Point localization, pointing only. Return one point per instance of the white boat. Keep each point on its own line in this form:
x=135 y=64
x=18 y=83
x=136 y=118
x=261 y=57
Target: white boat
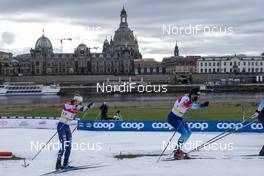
x=28 y=88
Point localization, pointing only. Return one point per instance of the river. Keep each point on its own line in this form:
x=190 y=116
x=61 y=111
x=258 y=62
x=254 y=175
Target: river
x=131 y=99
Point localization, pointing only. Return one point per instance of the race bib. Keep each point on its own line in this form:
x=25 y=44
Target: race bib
x=67 y=115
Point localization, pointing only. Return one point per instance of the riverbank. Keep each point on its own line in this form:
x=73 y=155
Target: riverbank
x=94 y=90
x=213 y=112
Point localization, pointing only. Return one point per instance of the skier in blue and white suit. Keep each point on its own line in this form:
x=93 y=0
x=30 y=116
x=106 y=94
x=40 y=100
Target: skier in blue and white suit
x=181 y=106
x=69 y=111
x=259 y=114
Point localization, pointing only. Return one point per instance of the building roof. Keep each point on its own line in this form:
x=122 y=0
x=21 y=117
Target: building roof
x=43 y=43
x=146 y=61
x=227 y=58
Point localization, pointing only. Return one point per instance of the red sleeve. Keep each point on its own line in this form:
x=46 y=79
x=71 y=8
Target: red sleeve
x=187 y=104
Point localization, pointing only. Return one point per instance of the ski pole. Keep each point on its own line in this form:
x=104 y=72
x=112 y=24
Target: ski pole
x=169 y=142
x=230 y=133
x=217 y=136
x=77 y=121
x=220 y=137
x=25 y=164
x=98 y=115
x=166 y=146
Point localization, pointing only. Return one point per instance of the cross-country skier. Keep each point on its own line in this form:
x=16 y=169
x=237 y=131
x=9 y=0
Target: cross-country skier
x=180 y=107
x=259 y=114
x=69 y=111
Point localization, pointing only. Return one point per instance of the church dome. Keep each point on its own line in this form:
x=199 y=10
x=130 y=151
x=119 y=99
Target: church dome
x=82 y=47
x=125 y=36
x=43 y=43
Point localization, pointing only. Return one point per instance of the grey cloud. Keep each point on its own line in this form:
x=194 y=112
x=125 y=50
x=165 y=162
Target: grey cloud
x=8 y=37
x=146 y=18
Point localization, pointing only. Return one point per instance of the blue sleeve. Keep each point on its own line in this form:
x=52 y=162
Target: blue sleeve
x=261 y=106
x=195 y=106
x=82 y=108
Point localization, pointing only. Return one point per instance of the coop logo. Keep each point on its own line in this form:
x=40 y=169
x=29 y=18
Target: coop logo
x=198 y=125
x=81 y=124
x=160 y=125
x=229 y=125
x=132 y=125
x=104 y=125
x=256 y=126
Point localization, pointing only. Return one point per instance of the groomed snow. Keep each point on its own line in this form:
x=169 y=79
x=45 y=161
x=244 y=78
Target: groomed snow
x=226 y=163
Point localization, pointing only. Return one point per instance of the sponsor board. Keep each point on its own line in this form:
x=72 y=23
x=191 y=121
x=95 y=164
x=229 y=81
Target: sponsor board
x=32 y=122
x=196 y=126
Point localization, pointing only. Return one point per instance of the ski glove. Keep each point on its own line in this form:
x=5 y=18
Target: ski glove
x=90 y=105
x=205 y=104
x=255 y=115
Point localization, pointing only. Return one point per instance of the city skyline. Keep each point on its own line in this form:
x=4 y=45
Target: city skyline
x=91 y=22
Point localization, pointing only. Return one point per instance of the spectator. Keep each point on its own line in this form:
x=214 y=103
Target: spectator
x=104 y=110
x=117 y=116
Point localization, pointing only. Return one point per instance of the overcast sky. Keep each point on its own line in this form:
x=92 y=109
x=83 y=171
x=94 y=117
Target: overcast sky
x=220 y=27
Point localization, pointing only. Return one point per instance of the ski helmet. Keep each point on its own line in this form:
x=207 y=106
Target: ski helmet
x=194 y=94
x=78 y=98
x=195 y=91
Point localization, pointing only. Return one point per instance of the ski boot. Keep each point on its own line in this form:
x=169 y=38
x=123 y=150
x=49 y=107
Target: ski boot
x=261 y=153
x=58 y=163
x=66 y=164
x=179 y=154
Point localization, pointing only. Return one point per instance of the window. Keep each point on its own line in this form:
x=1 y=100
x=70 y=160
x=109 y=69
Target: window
x=213 y=64
x=209 y=64
x=231 y=63
x=205 y=64
x=201 y=64
x=201 y=71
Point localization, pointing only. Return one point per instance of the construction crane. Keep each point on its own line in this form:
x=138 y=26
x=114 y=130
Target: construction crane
x=61 y=42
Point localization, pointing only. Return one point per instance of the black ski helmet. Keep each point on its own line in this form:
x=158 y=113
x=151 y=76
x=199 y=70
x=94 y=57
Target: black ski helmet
x=195 y=91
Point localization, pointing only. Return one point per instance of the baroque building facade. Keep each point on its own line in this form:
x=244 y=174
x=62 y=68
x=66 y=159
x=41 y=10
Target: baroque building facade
x=117 y=56
x=180 y=64
x=231 y=64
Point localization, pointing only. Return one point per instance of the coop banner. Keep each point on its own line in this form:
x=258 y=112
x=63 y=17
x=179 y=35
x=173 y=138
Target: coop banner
x=196 y=126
